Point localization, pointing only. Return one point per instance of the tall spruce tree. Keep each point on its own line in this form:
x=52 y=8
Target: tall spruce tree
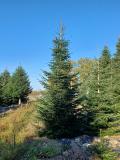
x=57 y=107
x=100 y=80
x=103 y=109
x=105 y=77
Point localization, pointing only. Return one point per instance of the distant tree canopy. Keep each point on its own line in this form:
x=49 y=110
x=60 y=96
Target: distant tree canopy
x=84 y=68
x=14 y=89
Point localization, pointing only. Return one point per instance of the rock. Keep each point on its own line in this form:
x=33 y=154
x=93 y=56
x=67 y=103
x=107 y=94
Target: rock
x=96 y=140
x=65 y=141
x=77 y=140
x=86 y=145
x=67 y=153
x=113 y=142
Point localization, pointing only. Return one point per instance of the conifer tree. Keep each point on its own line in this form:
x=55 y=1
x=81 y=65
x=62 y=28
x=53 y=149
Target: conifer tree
x=116 y=74
x=105 y=77
x=114 y=126
x=94 y=84
x=57 y=107
x=18 y=87
x=103 y=109
x=4 y=79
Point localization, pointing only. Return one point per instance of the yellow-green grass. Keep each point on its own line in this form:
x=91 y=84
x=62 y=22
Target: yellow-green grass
x=18 y=125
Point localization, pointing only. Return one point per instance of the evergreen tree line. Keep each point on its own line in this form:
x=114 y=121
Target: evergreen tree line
x=100 y=90
x=82 y=98
x=14 y=88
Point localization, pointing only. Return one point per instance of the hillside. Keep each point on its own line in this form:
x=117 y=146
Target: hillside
x=19 y=140
x=35 y=95
x=16 y=127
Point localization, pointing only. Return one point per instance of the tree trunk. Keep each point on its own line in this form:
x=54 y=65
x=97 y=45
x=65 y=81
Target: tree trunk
x=19 y=102
x=98 y=77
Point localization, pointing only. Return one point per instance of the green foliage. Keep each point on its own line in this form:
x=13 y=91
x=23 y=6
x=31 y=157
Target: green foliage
x=99 y=91
x=106 y=110
x=15 y=87
x=18 y=87
x=93 y=95
x=4 y=79
x=21 y=84
x=51 y=150
x=116 y=74
x=114 y=122
x=7 y=152
x=37 y=149
x=31 y=151
x=104 y=152
x=105 y=78
x=59 y=99
x=100 y=83
x=84 y=68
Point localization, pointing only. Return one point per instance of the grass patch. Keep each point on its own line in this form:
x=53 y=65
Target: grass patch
x=18 y=124
x=101 y=151
x=16 y=127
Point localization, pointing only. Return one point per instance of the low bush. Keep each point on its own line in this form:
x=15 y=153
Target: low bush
x=102 y=152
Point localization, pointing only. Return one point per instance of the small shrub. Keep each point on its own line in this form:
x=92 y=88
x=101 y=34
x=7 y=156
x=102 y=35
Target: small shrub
x=50 y=150
x=103 y=152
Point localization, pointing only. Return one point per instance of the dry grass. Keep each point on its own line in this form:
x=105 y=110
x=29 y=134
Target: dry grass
x=18 y=125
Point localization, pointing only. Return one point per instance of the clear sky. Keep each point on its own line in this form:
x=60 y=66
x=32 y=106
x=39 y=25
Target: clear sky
x=27 y=28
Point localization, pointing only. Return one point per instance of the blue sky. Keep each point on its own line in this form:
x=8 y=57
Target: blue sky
x=27 y=28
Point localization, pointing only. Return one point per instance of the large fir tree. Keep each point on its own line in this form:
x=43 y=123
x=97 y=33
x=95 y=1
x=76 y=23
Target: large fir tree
x=57 y=107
